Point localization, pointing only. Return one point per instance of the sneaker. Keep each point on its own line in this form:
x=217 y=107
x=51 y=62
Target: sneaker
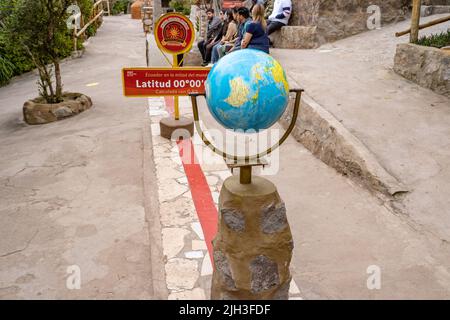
x=204 y=63
x=210 y=64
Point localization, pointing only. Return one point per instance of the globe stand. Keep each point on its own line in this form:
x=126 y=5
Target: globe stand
x=245 y=169
x=253 y=246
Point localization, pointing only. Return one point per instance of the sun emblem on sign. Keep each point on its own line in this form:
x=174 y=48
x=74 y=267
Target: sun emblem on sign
x=174 y=33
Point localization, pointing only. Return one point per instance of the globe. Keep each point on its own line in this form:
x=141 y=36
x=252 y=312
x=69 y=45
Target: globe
x=247 y=90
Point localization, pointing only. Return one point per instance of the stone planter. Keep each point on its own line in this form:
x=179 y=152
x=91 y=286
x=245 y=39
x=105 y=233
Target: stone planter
x=426 y=66
x=37 y=111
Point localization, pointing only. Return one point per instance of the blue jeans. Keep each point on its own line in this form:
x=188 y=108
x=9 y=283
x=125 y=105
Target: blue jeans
x=215 y=53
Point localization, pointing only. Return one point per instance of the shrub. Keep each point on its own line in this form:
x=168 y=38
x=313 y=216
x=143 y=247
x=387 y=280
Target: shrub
x=6 y=70
x=39 y=27
x=436 y=40
x=13 y=52
x=181 y=6
x=120 y=6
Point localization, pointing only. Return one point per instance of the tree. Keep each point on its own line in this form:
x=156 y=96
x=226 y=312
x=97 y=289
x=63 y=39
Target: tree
x=40 y=27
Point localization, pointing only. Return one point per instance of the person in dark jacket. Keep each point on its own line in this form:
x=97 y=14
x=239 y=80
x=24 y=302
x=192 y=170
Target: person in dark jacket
x=213 y=29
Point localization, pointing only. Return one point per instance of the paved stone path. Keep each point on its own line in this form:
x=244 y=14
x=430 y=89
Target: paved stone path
x=72 y=192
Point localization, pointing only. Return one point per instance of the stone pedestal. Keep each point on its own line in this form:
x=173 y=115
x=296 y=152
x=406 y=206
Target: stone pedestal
x=253 y=246
x=176 y=129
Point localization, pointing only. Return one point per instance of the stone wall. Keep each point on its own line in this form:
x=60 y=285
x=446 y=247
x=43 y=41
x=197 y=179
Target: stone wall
x=436 y=2
x=426 y=66
x=337 y=19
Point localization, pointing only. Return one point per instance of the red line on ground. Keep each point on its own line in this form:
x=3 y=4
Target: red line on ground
x=170 y=103
x=201 y=193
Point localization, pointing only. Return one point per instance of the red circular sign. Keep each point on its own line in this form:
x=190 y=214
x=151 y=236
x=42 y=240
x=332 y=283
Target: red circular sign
x=174 y=33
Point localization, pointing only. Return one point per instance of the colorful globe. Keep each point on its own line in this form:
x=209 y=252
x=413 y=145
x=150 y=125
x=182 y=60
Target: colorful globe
x=247 y=90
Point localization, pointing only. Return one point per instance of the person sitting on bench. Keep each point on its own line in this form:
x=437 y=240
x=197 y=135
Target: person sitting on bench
x=214 y=27
x=280 y=15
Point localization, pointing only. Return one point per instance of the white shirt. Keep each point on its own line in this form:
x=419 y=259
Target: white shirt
x=281 y=7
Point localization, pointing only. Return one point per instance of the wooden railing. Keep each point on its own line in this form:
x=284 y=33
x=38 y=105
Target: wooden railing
x=97 y=13
x=415 y=23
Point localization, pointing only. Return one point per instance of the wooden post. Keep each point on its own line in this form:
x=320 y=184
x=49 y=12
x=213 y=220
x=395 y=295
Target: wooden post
x=425 y=25
x=176 y=64
x=107 y=5
x=415 y=21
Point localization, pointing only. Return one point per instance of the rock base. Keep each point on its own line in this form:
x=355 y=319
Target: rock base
x=295 y=37
x=344 y=18
x=193 y=58
x=426 y=66
x=176 y=129
x=253 y=246
x=426 y=11
x=38 y=112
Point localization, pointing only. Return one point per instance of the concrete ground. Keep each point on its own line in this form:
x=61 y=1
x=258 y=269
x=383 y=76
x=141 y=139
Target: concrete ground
x=404 y=125
x=78 y=192
x=340 y=228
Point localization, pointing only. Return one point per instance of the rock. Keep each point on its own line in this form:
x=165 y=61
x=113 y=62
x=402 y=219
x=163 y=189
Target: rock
x=339 y=19
x=426 y=66
x=223 y=270
x=63 y=112
x=273 y=218
x=283 y=292
x=233 y=219
x=36 y=111
x=295 y=37
x=251 y=264
x=264 y=274
x=193 y=57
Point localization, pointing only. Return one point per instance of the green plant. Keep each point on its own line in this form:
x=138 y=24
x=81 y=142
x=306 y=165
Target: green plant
x=120 y=6
x=40 y=29
x=181 y=6
x=14 y=58
x=6 y=70
x=14 y=52
x=436 y=40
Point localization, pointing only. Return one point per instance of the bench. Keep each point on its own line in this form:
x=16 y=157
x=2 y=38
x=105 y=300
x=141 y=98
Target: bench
x=295 y=37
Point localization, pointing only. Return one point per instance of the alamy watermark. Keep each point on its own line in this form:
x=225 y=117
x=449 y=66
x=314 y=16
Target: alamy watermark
x=374 y=20
x=374 y=279
x=235 y=143
x=74 y=20
x=73 y=281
